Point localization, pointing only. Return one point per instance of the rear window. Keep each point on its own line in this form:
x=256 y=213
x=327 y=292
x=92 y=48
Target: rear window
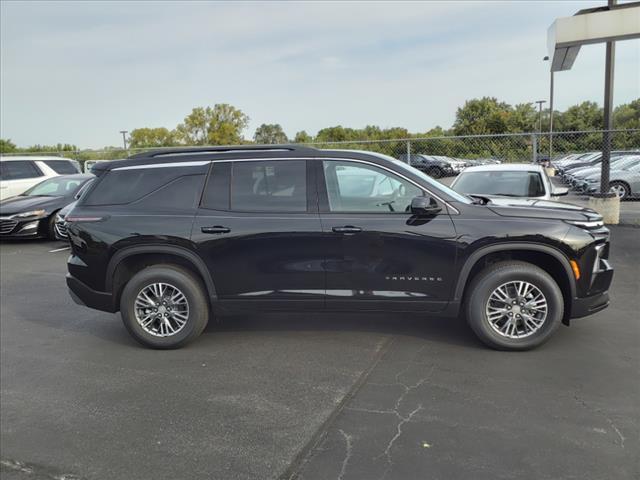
x=119 y=187
x=63 y=167
x=18 y=169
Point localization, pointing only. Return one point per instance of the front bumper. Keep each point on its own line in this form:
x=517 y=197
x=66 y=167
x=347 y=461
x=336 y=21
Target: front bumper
x=582 y=307
x=83 y=295
x=598 y=298
x=23 y=228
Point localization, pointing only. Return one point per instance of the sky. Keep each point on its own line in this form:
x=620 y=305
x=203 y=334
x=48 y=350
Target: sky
x=79 y=72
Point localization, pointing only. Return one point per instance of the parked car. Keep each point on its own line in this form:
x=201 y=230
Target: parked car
x=576 y=177
x=432 y=166
x=60 y=221
x=169 y=237
x=511 y=180
x=590 y=161
x=19 y=173
x=457 y=165
x=32 y=214
x=624 y=182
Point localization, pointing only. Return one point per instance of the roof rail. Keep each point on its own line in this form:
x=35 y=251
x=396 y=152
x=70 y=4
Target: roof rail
x=222 y=149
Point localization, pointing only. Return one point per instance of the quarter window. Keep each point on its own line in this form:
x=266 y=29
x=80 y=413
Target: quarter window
x=355 y=187
x=63 y=167
x=269 y=186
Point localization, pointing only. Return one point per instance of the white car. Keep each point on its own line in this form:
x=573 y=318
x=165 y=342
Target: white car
x=19 y=173
x=522 y=180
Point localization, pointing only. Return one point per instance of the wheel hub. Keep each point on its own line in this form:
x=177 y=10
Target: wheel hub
x=161 y=309
x=516 y=309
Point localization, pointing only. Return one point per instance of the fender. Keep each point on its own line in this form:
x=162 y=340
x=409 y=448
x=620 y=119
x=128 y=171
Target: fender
x=537 y=247
x=185 y=253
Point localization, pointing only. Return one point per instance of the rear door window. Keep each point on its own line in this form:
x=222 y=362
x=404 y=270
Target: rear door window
x=20 y=169
x=269 y=186
x=216 y=193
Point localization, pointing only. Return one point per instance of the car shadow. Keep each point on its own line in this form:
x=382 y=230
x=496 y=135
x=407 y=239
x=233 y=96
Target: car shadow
x=452 y=331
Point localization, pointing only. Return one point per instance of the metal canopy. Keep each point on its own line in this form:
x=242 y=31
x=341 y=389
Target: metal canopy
x=596 y=25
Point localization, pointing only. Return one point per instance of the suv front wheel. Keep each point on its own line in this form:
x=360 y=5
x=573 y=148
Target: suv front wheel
x=514 y=306
x=164 y=307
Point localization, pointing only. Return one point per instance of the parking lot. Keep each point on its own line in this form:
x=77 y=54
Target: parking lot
x=311 y=397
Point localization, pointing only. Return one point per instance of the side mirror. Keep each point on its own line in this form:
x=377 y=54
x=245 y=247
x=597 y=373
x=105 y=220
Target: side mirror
x=422 y=206
x=559 y=191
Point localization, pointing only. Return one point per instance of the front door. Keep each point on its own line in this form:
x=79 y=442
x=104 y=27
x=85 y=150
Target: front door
x=259 y=231
x=378 y=255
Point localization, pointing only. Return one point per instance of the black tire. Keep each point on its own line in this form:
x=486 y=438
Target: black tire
x=188 y=284
x=435 y=172
x=623 y=188
x=51 y=227
x=484 y=284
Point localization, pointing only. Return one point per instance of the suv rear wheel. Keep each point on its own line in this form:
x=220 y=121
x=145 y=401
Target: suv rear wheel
x=514 y=306
x=164 y=307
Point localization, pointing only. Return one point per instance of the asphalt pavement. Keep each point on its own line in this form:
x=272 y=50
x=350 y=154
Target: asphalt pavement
x=310 y=396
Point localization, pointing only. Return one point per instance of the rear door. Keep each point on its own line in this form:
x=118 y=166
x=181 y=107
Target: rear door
x=378 y=255
x=258 y=229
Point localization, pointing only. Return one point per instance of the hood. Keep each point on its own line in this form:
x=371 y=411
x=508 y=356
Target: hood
x=533 y=208
x=20 y=204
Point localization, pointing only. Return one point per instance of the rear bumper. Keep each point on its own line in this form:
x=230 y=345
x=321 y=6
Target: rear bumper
x=83 y=295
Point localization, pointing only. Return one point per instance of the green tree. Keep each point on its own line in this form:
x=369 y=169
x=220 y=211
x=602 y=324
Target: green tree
x=221 y=125
x=7 y=146
x=627 y=115
x=302 y=137
x=484 y=115
x=270 y=133
x=522 y=118
x=152 y=137
x=584 y=116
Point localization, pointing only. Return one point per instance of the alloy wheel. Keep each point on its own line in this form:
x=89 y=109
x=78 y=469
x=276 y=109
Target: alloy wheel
x=516 y=309
x=619 y=190
x=161 y=309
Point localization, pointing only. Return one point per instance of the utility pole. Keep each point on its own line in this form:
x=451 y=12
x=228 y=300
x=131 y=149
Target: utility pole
x=537 y=146
x=124 y=137
x=550 y=109
x=609 y=65
x=540 y=103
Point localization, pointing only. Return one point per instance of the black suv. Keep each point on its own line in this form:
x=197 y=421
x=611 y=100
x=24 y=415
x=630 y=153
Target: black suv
x=169 y=237
x=432 y=166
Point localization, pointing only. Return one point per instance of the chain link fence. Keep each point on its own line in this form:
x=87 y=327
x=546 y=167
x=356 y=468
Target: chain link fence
x=509 y=148
x=520 y=147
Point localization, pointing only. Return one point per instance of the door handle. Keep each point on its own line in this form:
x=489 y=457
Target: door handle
x=215 y=229
x=347 y=229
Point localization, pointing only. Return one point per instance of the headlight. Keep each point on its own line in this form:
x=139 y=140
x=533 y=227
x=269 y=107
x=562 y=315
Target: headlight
x=585 y=224
x=33 y=213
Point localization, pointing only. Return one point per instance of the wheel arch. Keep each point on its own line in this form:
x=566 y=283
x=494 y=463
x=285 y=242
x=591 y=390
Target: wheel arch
x=128 y=261
x=550 y=259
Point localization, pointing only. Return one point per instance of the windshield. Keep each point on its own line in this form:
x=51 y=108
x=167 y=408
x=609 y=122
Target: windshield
x=55 y=187
x=509 y=183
